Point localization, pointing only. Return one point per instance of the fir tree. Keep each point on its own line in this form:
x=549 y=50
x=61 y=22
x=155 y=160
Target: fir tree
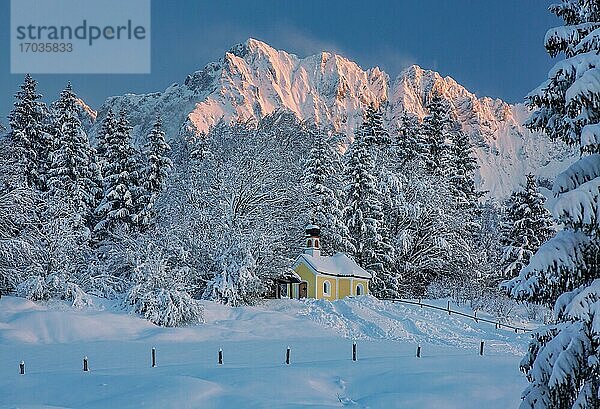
x=120 y=205
x=435 y=133
x=321 y=177
x=374 y=140
x=562 y=365
x=372 y=129
x=410 y=145
x=29 y=141
x=73 y=173
x=109 y=126
x=364 y=217
x=528 y=225
x=462 y=166
x=156 y=171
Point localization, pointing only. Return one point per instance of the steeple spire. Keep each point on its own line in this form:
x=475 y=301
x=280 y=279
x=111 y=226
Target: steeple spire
x=313 y=240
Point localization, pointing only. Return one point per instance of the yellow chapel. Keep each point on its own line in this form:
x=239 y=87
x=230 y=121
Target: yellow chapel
x=326 y=277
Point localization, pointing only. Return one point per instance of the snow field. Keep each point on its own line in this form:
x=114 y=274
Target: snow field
x=53 y=340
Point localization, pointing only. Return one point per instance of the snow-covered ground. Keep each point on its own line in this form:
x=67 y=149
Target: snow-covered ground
x=52 y=339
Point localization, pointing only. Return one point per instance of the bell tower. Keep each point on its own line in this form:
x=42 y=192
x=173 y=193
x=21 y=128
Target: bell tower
x=313 y=240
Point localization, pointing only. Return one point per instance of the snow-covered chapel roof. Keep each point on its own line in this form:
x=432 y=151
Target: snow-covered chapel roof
x=337 y=265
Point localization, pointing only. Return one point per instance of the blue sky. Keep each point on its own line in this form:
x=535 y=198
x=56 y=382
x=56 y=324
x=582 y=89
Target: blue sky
x=493 y=47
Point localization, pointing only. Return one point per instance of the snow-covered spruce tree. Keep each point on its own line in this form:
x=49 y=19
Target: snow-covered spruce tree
x=462 y=165
x=389 y=185
x=372 y=138
x=120 y=204
x=73 y=172
x=528 y=224
x=460 y=175
x=156 y=171
x=108 y=128
x=20 y=247
x=321 y=180
x=409 y=142
x=364 y=217
x=563 y=363
x=372 y=129
x=29 y=140
x=435 y=132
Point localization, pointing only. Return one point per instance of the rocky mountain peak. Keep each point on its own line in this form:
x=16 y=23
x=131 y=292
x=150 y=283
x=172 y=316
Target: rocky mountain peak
x=253 y=80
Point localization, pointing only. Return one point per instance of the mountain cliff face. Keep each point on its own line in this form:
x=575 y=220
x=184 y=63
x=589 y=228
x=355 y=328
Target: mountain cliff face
x=253 y=80
x=505 y=149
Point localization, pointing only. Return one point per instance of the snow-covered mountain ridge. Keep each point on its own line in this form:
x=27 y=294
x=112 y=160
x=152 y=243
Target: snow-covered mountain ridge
x=253 y=80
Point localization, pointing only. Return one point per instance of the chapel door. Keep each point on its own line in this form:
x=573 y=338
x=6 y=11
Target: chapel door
x=303 y=290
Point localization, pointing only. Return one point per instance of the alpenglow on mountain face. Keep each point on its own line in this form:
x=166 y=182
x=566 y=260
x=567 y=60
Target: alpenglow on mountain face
x=253 y=80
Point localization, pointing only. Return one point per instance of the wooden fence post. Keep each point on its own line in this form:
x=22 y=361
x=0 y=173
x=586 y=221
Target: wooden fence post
x=22 y=368
x=85 y=364
x=419 y=351
x=476 y=320
x=448 y=307
x=481 y=348
x=354 y=351
x=287 y=356
x=220 y=356
x=153 y=357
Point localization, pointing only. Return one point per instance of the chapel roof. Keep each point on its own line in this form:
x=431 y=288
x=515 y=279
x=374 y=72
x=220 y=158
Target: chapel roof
x=337 y=265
